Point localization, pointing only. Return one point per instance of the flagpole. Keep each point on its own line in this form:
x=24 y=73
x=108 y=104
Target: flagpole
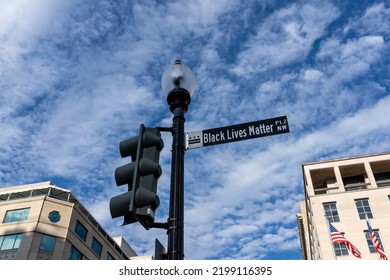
x=368 y=223
x=379 y=255
x=337 y=237
x=330 y=238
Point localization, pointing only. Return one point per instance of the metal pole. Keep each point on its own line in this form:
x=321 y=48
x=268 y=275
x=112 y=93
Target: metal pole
x=176 y=205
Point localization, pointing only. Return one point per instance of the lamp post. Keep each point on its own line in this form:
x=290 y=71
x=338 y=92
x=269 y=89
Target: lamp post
x=178 y=84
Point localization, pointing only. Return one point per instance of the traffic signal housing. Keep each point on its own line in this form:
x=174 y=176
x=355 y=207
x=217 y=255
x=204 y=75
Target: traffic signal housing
x=139 y=204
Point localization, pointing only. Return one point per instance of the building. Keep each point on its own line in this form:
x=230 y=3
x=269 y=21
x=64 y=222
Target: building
x=42 y=222
x=345 y=192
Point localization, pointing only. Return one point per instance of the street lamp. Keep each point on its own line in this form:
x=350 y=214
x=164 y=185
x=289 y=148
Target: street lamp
x=178 y=84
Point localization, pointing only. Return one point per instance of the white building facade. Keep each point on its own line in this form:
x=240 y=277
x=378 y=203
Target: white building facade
x=346 y=193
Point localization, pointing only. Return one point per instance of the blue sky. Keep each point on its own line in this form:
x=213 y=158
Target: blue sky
x=79 y=76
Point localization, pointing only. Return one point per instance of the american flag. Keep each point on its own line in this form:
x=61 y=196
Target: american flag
x=375 y=240
x=338 y=237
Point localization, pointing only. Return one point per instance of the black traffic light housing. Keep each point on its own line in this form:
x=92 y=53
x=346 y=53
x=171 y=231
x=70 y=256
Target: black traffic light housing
x=139 y=204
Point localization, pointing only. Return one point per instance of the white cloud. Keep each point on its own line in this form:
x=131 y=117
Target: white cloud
x=359 y=53
x=285 y=37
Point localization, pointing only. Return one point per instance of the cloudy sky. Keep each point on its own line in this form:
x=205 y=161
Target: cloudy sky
x=79 y=76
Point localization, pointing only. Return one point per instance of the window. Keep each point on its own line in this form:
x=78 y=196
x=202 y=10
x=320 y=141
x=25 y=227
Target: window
x=48 y=243
x=363 y=208
x=16 y=215
x=354 y=183
x=109 y=256
x=382 y=179
x=54 y=216
x=96 y=247
x=340 y=249
x=370 y=244
x=9 y=242
x=81 y=231
x=75 y=254
x=331 y=212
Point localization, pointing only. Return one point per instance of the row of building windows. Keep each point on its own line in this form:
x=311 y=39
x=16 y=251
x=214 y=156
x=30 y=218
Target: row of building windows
x=12 y=242
x=96 y=247
x=362 y=206
x=341 y=250
x=351 y=183
x=77 y=255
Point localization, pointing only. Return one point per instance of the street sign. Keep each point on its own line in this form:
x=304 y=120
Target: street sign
x=237 y=132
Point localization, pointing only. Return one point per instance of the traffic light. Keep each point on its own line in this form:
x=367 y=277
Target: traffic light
x=139 y=204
